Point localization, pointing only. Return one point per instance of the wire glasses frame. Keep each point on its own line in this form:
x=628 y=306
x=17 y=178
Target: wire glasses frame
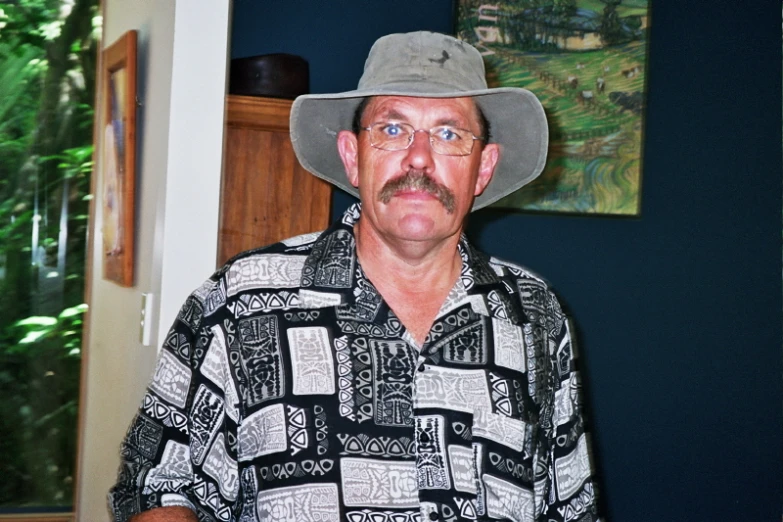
x=444 y=139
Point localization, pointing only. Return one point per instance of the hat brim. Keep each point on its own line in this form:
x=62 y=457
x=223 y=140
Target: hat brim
x=517 y=120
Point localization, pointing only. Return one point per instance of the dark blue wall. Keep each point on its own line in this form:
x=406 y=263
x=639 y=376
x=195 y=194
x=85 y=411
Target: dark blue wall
x=678 y=311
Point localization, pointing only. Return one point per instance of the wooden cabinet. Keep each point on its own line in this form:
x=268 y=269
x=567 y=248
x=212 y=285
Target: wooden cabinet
x=266 y=194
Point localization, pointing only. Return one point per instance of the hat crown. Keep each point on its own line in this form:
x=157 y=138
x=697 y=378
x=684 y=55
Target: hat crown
x=422 y=61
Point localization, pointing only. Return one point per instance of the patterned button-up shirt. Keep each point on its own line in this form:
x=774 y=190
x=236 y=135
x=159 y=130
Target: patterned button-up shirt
x=288 y=390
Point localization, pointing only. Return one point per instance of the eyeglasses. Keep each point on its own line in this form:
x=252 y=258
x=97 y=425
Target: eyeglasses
x=445 y=140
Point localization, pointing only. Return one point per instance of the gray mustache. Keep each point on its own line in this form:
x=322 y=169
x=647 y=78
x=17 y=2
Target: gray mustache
x=418 y=180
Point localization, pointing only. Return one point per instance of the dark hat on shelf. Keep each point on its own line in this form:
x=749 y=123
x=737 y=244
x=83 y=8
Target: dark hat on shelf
x=272 y=75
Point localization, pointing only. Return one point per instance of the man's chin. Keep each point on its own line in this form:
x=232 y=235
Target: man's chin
x=417 y=226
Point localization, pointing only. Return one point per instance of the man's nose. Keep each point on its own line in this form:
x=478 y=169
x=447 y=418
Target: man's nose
x=419 y=155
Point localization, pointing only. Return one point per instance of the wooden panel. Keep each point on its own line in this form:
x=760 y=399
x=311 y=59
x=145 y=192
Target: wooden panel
x=266 y=195
x=252 y=111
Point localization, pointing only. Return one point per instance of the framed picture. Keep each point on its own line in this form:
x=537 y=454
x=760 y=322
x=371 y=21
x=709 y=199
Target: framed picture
x=585 y=60
x=119 y=159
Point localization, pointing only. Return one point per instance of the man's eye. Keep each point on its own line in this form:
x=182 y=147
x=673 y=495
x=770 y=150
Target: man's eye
x=392 y=130
x=447 y=134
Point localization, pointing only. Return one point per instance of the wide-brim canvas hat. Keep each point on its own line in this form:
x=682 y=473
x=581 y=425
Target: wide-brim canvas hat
x=427 y=65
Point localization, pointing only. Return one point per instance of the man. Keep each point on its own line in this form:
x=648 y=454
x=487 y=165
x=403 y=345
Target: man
x=383 y=370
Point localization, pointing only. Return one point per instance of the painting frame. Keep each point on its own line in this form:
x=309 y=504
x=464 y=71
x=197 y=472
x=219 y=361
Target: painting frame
x=118 y=155
x=590 y=76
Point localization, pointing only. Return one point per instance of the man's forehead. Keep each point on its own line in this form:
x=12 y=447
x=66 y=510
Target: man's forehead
x=410 y=106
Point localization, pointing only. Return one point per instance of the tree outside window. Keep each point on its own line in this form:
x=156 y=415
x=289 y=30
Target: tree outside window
x=48 y=54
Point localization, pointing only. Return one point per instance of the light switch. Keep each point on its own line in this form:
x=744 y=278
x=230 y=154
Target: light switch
x=146 y=318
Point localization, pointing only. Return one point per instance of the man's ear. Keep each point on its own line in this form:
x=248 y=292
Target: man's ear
x=348 y=148
x=489 y=160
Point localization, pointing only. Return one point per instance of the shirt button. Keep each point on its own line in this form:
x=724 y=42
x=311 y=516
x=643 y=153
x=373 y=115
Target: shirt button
x=434 y=516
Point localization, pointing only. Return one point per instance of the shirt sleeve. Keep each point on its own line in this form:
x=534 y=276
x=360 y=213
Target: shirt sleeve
x=571 y=492
x=176 y=451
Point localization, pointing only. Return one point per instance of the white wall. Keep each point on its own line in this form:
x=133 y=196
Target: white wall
x=182 y=54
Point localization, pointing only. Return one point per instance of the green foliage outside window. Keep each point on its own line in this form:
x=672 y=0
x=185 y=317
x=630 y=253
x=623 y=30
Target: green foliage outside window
x=48 y=54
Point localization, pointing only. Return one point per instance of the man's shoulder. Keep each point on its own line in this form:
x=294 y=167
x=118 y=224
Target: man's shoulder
x=271 y=269
x=532 y=290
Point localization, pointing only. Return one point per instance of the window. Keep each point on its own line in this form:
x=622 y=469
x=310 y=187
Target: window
x=48 y=55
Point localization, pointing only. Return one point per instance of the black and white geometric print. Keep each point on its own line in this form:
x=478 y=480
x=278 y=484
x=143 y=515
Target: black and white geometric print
x=287 y=390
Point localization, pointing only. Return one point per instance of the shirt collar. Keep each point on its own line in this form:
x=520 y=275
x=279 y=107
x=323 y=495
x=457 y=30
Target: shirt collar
x=332 y=276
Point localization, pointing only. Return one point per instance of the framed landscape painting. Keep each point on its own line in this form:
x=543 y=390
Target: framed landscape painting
x=585 y=60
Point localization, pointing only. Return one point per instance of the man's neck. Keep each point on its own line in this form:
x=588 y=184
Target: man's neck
x=414 y=278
